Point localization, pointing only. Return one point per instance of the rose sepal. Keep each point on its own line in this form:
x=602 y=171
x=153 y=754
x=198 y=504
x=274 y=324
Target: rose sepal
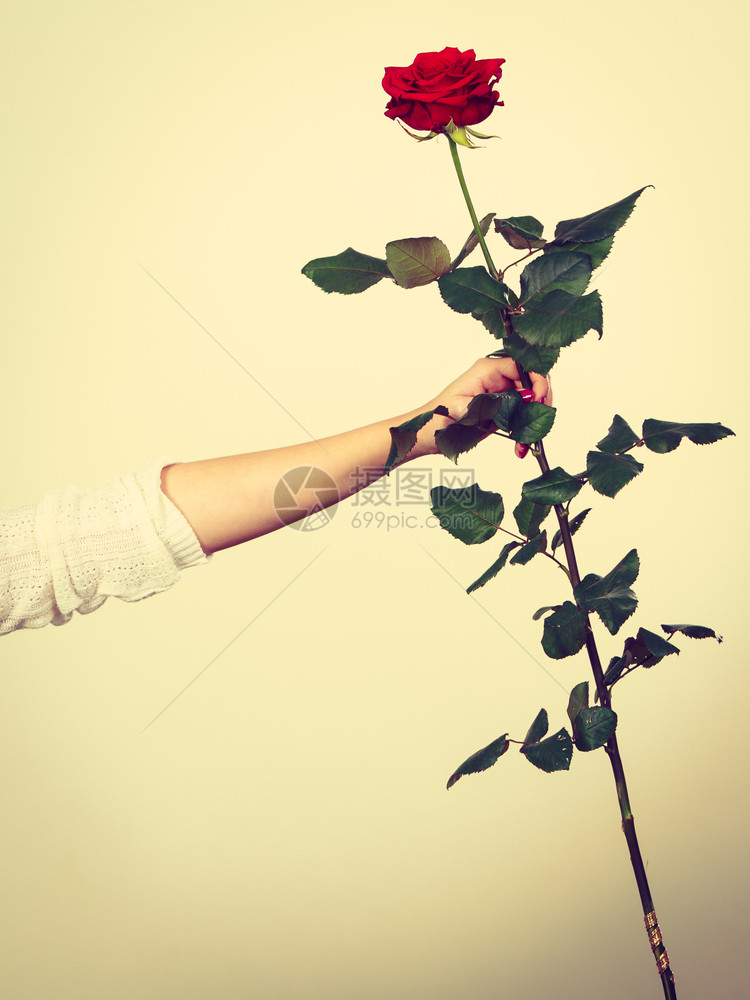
x=419 y=138
x=462 y=135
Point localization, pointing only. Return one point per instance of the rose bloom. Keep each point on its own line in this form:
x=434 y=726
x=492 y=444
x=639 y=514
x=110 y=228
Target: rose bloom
x=442 y=86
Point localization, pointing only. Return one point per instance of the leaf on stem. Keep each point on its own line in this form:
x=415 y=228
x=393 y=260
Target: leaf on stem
x=532 y=422
x=472 y=242
x=598 y=225
x=471 y=428
x=472 y=290
x=553 y=487
x=417 y=261
x=579 y=699
x=494 y=320
x=552 y=754
x=541 y=612
x=456 y=439
x=348 y=272
x=564 y=631
x=574 y=525
x=529 y=516
x=404 y=437
x=527 y=552
x=620 y=437
x=532 y=357
x=522 y=232
x=510 y=404
x=642 y=650
x=596 y=252
x=609 y=473
x=567 y=271
x=470 y=514
x=593 y=727
x=483 y=407
x=559 y=318
x=481 y=760
x=663 y=435
x=610 y=596
x=538 y=728
x=692 y=631
x=494 y=569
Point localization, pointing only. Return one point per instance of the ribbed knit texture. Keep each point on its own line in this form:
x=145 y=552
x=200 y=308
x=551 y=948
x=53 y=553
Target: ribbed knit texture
x=75 y=549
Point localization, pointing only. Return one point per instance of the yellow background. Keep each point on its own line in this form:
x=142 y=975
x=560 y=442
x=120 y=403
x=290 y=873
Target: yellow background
x=283 y=830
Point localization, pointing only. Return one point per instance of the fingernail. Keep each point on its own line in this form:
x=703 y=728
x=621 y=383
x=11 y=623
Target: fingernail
x=527 y=395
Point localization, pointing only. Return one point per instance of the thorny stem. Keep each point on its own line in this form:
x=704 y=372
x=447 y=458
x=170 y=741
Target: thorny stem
x=611 y=747
x=613 y=752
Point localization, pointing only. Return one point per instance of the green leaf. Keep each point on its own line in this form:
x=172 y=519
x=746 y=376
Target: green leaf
x=574 y=525
x=527 y=552
x=465 y=433
x=693 y=631
x=553 y=487
x=593 y=727
x=610 y=596
x=404 y=437
x=472 y=515
x=608 y=473
x=482 y=409
x=472 y=290
x=418 y=261
x=663 y=435
x=598 y=225
x=620 y=437
x=481 y=760
x=532 y=422
x=494 y=569
x=348 y=272
x=568 y=271
x=456 y=439
x=492 y=320
x=579 y=699
x=532 y=357
x=538 y=728
x=564 y=632
x=559 y=318
x=472 y=242
x=656 y=646
x=552 y=754
x=643 y=650
x=530 y=516
x=510 y=404
x=522 y=232
x=541 y=612
x=596 y=252
x=614 y=669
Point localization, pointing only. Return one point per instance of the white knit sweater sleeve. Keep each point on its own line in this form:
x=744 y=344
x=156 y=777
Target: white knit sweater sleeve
x=75 y=549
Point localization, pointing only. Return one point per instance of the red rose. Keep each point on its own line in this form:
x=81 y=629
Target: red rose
x=440 y=86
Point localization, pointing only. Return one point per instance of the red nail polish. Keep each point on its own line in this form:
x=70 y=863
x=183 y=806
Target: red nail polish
x=527 y=395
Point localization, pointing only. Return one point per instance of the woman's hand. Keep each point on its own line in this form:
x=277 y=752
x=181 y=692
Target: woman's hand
x=485 y=375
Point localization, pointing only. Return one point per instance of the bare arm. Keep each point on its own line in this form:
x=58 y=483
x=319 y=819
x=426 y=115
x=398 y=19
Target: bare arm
x=231 y=500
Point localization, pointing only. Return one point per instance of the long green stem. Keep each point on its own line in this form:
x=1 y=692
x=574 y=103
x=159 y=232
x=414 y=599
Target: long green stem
x=467 y=198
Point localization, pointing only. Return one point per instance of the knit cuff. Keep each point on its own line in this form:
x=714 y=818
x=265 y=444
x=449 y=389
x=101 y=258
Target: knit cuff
x=171 y=524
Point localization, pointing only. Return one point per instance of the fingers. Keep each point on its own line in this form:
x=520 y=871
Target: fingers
x=502 y=373
x=541 y=387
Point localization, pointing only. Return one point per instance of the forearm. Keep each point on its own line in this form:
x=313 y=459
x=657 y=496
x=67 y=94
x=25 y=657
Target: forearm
x=231 y=500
